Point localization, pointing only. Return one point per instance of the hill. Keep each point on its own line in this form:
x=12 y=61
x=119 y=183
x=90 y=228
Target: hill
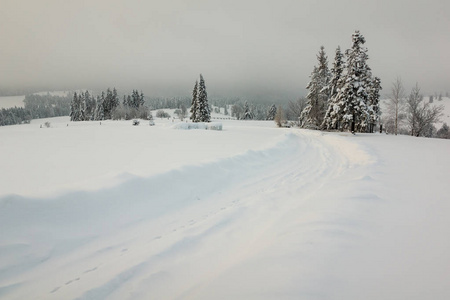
x=115 y=211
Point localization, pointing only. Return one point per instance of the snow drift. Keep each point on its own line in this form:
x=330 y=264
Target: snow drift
x=262 y=213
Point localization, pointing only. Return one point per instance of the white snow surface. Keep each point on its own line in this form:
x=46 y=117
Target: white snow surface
x=116 y=211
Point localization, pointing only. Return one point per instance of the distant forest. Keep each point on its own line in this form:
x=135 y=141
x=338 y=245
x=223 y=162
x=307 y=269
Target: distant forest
x=37 y=106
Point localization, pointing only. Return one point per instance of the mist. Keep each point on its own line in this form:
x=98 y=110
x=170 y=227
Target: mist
x=242 y=48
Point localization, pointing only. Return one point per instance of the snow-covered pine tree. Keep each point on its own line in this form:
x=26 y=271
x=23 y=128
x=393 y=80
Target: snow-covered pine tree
x=271 y=113
x=74 y=108
x=351 y=99
x=313 y=114
x=100 y=112
x=203 y=111
x=141 y=99
x=312 y=99
x=82 y=105
x=248 y=115
x=107 y=104
x=115 y=100
x=194 y=103
x=373 y=102
x=135 y=99
x=331 y=116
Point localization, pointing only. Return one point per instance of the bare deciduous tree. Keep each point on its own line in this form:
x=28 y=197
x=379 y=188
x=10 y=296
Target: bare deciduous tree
x=395 y=103
x=295 y=109
x=279 y=117
x=421 y=114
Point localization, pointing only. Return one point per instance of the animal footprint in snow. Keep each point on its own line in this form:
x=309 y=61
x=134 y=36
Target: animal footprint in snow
x=55 y=290
x=90 y=270
x=70 y=281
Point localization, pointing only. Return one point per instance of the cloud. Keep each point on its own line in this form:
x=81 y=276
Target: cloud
x=238 y=45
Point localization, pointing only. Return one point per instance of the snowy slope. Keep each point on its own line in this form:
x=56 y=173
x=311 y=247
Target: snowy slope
x=115 y=211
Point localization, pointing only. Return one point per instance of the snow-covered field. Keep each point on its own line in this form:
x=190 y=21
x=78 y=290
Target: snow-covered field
x=116 y=211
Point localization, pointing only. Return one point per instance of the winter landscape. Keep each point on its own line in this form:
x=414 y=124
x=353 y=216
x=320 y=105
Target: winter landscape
x=224 y=150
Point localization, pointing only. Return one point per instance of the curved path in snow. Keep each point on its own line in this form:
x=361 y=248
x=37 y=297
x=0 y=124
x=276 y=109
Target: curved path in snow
x=279 y=223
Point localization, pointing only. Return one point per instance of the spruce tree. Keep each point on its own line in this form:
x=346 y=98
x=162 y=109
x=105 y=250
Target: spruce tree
x=141 y=99
x=194 y=103
x=82 y=105
x=271 y=113
x=317 y=98
x=203 y=111
x=352 y=96
x=73 y=109
x=331 y=116
x=373 y=103
x=100 y=113
x=248 y=115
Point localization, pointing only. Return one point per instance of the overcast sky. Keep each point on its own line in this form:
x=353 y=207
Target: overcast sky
x=242 y=47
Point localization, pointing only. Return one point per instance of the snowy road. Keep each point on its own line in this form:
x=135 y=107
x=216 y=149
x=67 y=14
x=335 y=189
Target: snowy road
x=298 y=220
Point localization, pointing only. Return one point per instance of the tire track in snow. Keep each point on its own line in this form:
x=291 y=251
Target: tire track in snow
x=190 y=243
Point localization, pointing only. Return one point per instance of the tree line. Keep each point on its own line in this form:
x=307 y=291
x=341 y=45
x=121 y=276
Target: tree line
x=36 y=107
x=107 y=106
x=345 y=97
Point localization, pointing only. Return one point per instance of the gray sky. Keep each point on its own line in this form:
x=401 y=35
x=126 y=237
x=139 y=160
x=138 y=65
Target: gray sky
x=242 y=47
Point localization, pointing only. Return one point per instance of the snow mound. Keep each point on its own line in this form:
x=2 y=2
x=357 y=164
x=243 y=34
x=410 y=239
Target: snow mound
x=204 y=126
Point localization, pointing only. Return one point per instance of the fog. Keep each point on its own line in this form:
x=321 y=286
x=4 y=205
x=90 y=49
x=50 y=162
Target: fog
x=242 y=48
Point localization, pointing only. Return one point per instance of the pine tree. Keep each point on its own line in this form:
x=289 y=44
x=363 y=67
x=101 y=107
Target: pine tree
x=73 y=108
x=271 y=113
x=331 y=120
x=100 y=113
x=351 y=99
x=248 y=115
x=317 y=98
x=115 y=100
x=373 y=103
x=82 y=105
x=203 y=111
x=194 y=103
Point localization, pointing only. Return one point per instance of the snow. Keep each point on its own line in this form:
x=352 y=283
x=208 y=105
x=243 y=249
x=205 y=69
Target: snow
x=200 y=125
x=116 y=211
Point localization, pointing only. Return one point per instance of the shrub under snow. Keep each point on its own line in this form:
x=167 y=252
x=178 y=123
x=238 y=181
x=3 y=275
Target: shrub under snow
x=201 y=125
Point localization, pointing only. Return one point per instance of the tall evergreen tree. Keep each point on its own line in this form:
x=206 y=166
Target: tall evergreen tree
x=73 y=108
x=331 y=116
x=373 y=102
x=82 y=103
x=100 y=112
x=194 y=103
x=203 y=111
x=271 y=113
x=317 y=98
x=352 y=96
x=248 y=115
